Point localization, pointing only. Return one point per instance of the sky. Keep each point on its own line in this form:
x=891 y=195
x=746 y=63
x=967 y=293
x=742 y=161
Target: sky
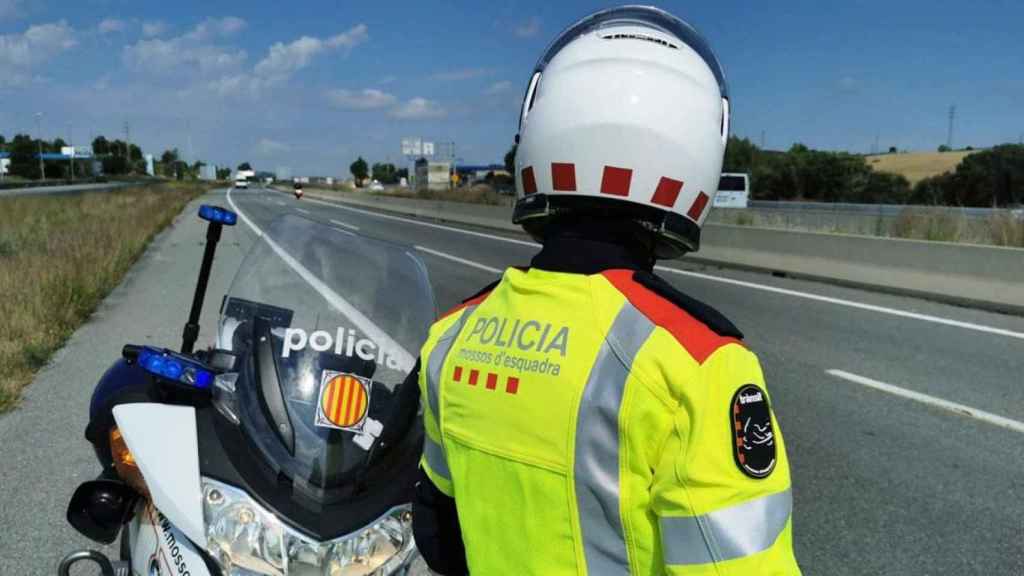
x=309 y=86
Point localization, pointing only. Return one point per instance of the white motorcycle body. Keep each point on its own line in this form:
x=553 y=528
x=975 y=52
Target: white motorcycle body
x=163 y=532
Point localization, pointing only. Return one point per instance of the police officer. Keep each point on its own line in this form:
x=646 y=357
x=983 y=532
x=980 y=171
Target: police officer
x=582 y=416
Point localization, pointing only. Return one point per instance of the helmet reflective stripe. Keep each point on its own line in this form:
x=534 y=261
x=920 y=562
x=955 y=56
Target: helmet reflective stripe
x=627 y=113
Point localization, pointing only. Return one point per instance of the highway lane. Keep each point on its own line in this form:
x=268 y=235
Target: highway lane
x=883 y=485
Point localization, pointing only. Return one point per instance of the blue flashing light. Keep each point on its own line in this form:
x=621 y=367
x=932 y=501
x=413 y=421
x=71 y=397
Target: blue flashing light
x=175 y=368
x=212 y=213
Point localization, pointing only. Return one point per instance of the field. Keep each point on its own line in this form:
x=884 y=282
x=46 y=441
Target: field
x=59 y=257
x=916 y=166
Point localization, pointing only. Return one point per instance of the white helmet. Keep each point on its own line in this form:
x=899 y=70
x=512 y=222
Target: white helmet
x=627 y=114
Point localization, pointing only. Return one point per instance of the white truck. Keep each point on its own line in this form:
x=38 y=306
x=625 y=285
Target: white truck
x=242 y=178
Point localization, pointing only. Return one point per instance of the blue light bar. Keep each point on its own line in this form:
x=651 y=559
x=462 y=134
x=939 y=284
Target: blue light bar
x=176 y=368
x=213 y=213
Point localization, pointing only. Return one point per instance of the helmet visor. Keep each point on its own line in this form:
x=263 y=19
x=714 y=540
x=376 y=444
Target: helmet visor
x=645 y=17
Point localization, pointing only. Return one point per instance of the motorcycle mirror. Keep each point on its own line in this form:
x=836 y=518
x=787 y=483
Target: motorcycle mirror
x=100 y=507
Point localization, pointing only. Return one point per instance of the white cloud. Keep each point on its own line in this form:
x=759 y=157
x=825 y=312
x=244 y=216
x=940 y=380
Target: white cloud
x=418 y=109
x=284 y=59
x=158 y=56
x=499 y=87
x=151 y=29
x=268 y=147
x=216 y=27
x=527 y=29
x=368 y=99
x=350 y=38
x=38 y=44
x=461 y=74
x=108 y=25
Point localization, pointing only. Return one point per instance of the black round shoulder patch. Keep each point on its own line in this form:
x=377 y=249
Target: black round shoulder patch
x=751 y=421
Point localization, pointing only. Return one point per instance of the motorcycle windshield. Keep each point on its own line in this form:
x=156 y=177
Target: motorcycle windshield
x=326 y=325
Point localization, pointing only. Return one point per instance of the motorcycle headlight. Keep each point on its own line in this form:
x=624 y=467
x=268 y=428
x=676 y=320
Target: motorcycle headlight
x=248 y=540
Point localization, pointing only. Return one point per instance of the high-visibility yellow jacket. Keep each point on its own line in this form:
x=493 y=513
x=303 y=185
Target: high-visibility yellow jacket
x=587 y=424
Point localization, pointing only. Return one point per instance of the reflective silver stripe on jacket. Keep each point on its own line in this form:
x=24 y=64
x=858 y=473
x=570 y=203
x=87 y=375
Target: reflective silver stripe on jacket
x=435 y=363
x=597 y=444
x=733 y=532
x=434 y=454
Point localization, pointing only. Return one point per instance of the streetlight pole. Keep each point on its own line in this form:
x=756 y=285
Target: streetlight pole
x=39 y=139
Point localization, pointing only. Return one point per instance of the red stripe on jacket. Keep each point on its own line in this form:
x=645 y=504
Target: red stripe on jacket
x=471 y=302
x=692 y=334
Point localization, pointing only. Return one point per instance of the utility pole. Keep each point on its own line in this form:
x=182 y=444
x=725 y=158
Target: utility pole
x=952 y=119
x=71 y=144
x=877 y=136
x=128 y=146
x=762 y=139
x=39 y=138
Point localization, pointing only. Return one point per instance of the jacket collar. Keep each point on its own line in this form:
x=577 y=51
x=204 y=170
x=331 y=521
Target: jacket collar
x=576 y=255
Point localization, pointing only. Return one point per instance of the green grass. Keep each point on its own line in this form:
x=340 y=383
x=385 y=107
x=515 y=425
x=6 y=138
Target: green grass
x=59 y=257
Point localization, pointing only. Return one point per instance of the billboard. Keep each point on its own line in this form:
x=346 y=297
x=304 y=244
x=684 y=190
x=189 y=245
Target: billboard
x=428 y=148
x=412 y=147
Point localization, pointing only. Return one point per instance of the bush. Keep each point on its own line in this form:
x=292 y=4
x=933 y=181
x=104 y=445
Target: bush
x=989 y=178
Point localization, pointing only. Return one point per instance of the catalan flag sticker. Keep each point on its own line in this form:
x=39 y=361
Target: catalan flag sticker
x=344 y=401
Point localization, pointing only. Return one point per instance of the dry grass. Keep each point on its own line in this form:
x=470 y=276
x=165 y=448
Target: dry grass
x=59 y=257
x=917 y=166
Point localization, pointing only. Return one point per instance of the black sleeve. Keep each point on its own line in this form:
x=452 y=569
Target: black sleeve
x=435 y=525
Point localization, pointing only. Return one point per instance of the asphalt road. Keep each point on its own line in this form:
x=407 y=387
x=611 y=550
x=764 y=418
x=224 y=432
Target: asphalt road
x=64 y=189
x=883 y=484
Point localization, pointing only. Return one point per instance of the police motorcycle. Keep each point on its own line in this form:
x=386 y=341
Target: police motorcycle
x=287 y=448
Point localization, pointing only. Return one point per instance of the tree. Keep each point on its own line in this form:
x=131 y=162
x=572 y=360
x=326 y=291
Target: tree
x=944 y=148
x=100 y=146
x=169 y=157
x=245 y=166
x=359 y=170
x=223 y=173
x=24 y=162
x=740 y=155
x=893 y=150
x=993 y=177
x=385 y=173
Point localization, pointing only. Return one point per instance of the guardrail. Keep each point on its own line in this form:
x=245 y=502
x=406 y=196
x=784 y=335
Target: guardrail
x=986 y=277
x=874 y=209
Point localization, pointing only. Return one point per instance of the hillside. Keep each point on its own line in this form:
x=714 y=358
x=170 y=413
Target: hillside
x=916 y=166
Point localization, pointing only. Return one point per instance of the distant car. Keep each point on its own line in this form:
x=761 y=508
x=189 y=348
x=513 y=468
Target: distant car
x=376 y=185
x=241 y=183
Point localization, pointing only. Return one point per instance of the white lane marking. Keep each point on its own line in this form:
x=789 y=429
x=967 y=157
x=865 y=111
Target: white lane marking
x=974 y=413
x=447 y=256
x=279 y=203
x=427 y=224
x=303 y=210
x=404 y=359
x=852 y=304
x=344 y=225
x=794 y=293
